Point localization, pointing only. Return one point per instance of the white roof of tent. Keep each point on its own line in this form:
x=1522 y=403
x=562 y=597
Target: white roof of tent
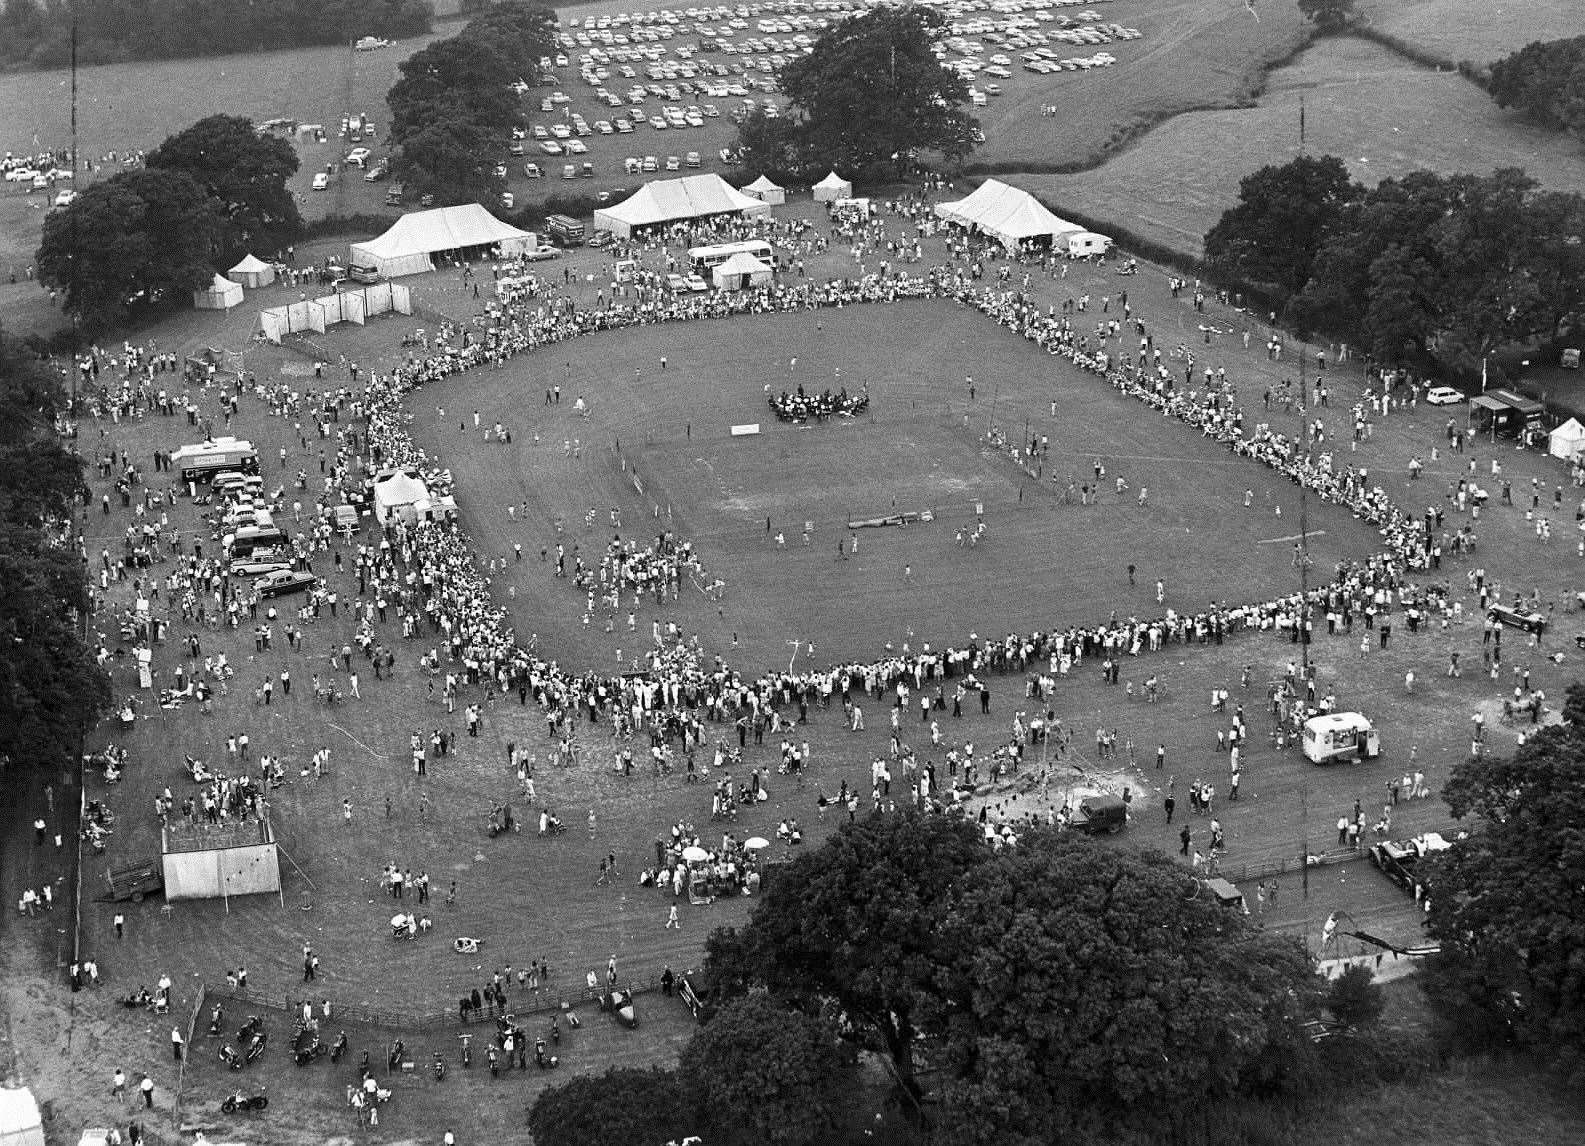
x=667 y=200
x=833 y=182
x=762 y=184
x=20 y=1122
x=443 y=229
x=1006 y=212
x=742 y=263
x=399 y=489
x=249 y=266
x=1567 y=439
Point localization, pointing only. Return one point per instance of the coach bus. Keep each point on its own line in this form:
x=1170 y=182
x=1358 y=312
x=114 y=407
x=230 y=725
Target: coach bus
x=703 y=258
x=199 y=463
x=566 y=230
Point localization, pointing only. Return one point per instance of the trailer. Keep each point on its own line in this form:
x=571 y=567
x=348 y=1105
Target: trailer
x=135 y=881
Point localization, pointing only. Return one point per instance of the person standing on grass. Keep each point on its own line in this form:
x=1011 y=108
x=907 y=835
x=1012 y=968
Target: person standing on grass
x=672 y=920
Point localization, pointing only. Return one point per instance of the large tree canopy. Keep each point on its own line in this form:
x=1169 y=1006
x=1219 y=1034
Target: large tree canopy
x=870 y=96
x=624 y=1105
x=1545 y=80
x=51 y=691
x=1270 y=238
x=761 y=1073
x=856 y=921
x=1508 y=900
x=244 y=173
x=130 y=246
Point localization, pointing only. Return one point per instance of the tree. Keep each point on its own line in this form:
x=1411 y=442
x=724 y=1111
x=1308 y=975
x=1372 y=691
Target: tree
x=1354 y=998
x=1506 y=899
x=1328 y=15
x=244 y=173
x=856 y=921
x=453 y=161
x=130 y=246
x=457 y=80
x=871 y=94
x=1084 y=981
x=51 y=690
x=1546 y=81
x=621 y=1106
x=762 y=1073
x=519 y=32
x=1284 y=214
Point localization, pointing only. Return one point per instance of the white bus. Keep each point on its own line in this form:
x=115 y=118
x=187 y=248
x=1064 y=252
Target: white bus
x=202 y=461
x=703 y=258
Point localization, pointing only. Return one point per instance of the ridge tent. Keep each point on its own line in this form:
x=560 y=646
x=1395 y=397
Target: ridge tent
x=396 y=492
x=20 y=1122
x=740 y=272
x=1567 y=441
x=221 y=294
x=833 y=186
x=406 y=248
x=252 y=273
x=668 y=200
x=766 y=191
x=1007 y=214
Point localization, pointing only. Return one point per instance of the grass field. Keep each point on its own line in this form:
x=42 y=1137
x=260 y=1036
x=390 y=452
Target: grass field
x=1468 y=30
x=529 y=897
x=1380 y=114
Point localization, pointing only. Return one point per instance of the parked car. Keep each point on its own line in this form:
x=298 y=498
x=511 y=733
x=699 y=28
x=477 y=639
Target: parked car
x=1522 y=619
x=676 y=282
x=696 y=283
x=321 y=182
x=1444 y=396
x=284 y=581
x=259 y=565
x=1100 y=813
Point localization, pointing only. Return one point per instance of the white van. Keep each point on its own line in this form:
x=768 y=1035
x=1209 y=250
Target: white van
x=1340 y=736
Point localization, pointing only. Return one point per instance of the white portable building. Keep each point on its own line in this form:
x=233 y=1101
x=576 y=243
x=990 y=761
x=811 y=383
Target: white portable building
x=1087 y=243
x=221 y=294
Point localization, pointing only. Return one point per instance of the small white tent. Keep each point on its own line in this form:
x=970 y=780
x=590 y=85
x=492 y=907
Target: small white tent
x=252 y=273
x=741 y=272
x=20 y=1122
x=222 y=294
x=1567 y=441
x=396 y=493
x=833 y=186
x=766 y=191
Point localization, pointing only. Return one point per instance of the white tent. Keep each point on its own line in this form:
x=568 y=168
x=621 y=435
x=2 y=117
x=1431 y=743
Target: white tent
x=766 y=191
x=1088 y=243
x=1006 y=213
x=252 y=272
x=396 y=493
x=740 y=272
x=1567 y=441
x=668 y=200
x=405 y=248
x=20 y=1123
x=221 y=294
x=833 y=186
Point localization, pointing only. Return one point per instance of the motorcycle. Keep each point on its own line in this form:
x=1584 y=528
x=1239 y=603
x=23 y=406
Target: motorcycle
x=256 y=1046
x=230 y=1057
x=238 y=1101
x=438 y=1067
x=250 y=1028
x=541 y=1059
x=467 y=1050
x=306 y=1050
x=339 y=1047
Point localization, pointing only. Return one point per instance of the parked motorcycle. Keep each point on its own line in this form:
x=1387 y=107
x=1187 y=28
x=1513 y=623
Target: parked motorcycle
x=467 y=1050
x=256 y=1046
x=238 y=1101
x=250 y=1028
x=339 y=1047
x=230 y=1057
x=437 y=1068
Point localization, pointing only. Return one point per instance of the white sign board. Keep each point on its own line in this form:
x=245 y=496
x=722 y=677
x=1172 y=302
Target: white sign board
x=748 y=429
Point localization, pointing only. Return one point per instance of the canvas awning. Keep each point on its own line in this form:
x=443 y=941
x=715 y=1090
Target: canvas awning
x=406 y=248
x=671 y=200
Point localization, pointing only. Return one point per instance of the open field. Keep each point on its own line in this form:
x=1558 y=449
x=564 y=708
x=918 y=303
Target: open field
x=1383 y=116
x=1469 y=30
x=1041 y=561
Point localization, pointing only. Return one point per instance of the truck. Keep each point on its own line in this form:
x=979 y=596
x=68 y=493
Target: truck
x=135 y=881
x=203 y=460
x=1335 y=736
x=1100 y=813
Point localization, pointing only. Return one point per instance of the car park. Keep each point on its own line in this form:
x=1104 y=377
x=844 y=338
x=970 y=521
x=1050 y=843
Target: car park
x=673 y=163
x=577 y=147
x=550 y=147
x=1444 y=396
